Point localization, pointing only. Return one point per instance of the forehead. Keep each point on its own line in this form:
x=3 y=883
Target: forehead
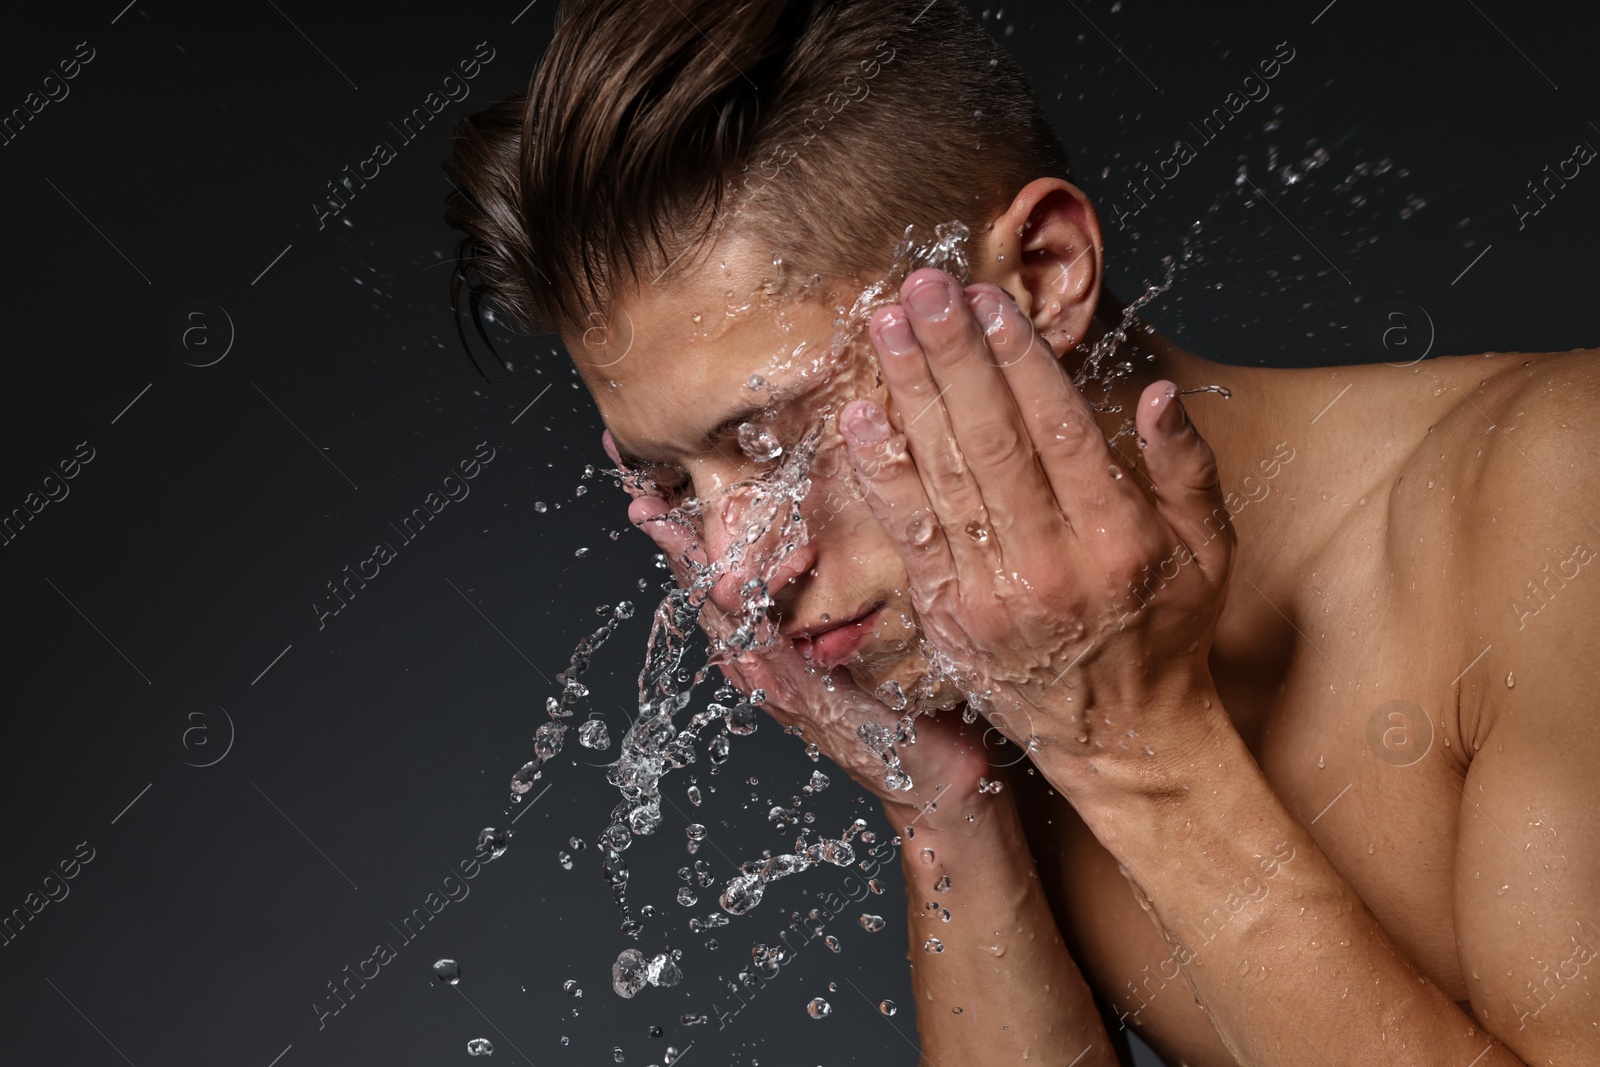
x=666 y=360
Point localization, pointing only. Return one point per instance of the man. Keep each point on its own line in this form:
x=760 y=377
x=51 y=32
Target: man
x=1299 y=676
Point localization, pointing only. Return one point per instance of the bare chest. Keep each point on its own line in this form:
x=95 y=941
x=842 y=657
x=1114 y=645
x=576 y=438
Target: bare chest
x=1341 y=679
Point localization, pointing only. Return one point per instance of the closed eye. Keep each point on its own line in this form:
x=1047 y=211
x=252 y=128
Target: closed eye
x=668 y=479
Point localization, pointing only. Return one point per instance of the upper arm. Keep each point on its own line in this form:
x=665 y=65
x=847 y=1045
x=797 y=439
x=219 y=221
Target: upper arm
x=1527 y=877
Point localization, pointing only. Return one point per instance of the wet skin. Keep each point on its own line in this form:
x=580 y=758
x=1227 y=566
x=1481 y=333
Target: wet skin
x=1224 y=824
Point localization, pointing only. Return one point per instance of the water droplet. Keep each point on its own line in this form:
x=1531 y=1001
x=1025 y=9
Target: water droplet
x=759 y=443
x=523 y=780
x=927 y=856
x=1511 y=679
x=571 y=988
x=819 y=1008
x=686 y=897
x=832 y=943
x=871 y=923
x=741 y=719
x=1322 y=761
x=540 y=506
x=480 y=1046
x=978 y=531
x=933 y=944
x=1115 y=471
x=493 y=841
x=565 y=859
x=627 y=973
x=887 y=1007
x=447 y=971
x=942 y=885
x=593 y=734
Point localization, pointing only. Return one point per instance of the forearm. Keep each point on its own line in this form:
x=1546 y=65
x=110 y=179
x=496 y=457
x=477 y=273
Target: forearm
x=994 y=984
x=1290 y=964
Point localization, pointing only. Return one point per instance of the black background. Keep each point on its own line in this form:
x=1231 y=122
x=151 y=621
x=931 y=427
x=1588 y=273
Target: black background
x=184 y=166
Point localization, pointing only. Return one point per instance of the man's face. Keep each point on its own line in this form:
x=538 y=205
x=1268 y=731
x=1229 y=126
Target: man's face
x=677 y=369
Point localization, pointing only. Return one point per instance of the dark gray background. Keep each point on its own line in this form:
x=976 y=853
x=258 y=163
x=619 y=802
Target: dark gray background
x=186 y=160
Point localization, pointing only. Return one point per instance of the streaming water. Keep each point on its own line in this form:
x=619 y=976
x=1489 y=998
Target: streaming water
x=666 y=736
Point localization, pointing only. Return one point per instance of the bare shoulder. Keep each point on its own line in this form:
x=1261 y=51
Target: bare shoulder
x=1527 y=692
x=1539 y=416
x=1527 y=444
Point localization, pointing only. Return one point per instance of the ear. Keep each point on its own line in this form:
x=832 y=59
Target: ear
x=1045 y=251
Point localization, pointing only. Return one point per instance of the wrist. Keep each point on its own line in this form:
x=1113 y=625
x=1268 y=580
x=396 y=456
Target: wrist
x=948 y=811
x=1174 y=750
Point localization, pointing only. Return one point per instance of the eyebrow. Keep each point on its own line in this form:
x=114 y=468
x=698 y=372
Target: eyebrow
x=715 y=435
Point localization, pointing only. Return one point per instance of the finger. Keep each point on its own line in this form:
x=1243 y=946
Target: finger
x=895 y=493
x=676 y=540
x=1074 y=455
x=947 y=482
x=1184 y=470
x=984 y=417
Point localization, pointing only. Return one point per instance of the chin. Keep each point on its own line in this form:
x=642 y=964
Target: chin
x=910 y=672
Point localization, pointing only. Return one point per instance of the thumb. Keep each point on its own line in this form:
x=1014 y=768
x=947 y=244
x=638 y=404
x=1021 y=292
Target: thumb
x=1184 y=471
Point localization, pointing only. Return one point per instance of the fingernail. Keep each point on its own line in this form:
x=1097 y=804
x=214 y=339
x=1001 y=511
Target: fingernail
x=930 y=298
x=895 y=329
x=987 y=307
x=1172 y=418
x=866 y=424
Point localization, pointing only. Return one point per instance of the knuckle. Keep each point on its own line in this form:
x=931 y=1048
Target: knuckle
x=993 y=443
x=1072 y=433
x=947 y=476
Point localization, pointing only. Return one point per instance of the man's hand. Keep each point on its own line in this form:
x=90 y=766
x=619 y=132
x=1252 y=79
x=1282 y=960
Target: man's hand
x=1031 y=550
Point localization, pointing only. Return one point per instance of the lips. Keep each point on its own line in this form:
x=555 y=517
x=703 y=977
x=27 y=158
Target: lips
x=834 y=644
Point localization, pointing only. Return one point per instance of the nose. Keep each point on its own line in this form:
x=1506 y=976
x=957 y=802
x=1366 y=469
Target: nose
x=750 y=526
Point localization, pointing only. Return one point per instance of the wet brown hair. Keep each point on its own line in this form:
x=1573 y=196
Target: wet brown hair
x=823 y=127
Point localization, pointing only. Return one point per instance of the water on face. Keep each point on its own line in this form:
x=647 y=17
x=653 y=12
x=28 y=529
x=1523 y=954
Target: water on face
x=791 y=449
